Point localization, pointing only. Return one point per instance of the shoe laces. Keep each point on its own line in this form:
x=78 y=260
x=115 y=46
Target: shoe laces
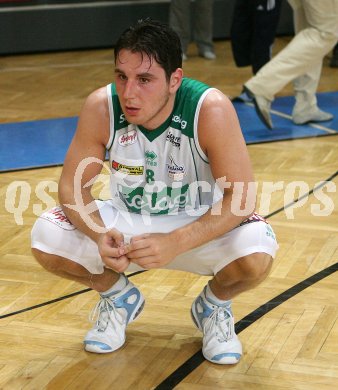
x=103 y=313
x=221 y=320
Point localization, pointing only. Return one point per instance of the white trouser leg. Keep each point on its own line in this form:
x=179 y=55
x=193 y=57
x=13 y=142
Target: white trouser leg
x=305 y=86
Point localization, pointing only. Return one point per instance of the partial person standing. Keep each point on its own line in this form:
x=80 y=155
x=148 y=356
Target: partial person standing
x=253 y=31
x=252 y=34
x=316 y=27
x=194 y=23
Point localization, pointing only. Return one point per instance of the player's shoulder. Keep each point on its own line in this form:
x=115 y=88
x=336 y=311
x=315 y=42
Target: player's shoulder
x=193 y=93
x=97 y=97
x=192 y=88
x=216 y=104
x=95 y=110
x=95 y=105
x=216 y=97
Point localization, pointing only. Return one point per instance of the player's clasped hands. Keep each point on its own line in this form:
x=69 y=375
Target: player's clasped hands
x=113 y=250
x=152 y=250
x=147 y=250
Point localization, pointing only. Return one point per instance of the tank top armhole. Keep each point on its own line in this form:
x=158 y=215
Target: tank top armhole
x=111 y=117
x=197 y=113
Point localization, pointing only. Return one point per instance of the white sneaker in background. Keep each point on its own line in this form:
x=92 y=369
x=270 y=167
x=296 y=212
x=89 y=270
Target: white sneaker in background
x=209 y=55
x=315 y=115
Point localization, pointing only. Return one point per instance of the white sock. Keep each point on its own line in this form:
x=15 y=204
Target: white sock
x=219 y=302
x=116 y=287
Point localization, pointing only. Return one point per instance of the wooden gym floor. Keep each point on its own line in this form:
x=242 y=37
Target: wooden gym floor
x=288 y=325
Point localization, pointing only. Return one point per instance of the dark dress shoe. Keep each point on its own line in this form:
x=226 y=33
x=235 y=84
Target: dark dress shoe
x=262 y=106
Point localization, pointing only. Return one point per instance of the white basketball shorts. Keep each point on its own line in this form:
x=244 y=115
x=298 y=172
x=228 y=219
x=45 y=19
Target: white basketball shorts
x=53 y=233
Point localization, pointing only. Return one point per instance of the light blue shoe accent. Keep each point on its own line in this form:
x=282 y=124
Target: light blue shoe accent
x=102 y=346
x=122 y=302
x=207 y=311
x=219 y=357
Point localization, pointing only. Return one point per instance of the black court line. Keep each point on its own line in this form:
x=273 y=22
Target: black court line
x=197 y=359
x=56 y=300
x=320 y=185
x=138 y=272
x=45 y=303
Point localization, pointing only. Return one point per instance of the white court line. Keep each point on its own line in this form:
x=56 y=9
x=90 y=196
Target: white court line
x=283 y=115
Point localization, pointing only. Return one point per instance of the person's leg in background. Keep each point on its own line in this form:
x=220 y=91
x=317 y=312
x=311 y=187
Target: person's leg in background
x=303 y=52
x=266 y=18
x=311 y=15
x=179 y=20
x=253 y=32
x=203 y=28
x=241 y=32
x=241 y=37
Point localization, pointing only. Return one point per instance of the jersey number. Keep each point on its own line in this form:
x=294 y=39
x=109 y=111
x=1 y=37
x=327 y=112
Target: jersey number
x=150 y=175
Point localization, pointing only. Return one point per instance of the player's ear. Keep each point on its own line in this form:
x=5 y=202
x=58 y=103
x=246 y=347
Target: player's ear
x=175 y=80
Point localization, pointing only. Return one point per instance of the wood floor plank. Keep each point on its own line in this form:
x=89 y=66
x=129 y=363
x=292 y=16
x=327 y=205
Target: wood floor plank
x=295 y=345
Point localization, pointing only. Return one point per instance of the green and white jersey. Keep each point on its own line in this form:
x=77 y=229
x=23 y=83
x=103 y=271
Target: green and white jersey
x=162 y=171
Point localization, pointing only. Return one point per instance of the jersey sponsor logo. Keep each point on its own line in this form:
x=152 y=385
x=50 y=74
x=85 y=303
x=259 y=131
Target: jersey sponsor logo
x=122 y=118
x=178 y=119
x=155 y=198
x=150 y=158
x=173 y=139
x=175 y=171
x=136 y=170
x=128 y=138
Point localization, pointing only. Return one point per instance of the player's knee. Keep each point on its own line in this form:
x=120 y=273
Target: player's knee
x=251 y=269
x=47 y=261
x=256 y=266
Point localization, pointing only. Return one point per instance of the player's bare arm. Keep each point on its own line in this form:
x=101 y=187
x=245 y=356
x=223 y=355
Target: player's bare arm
x=221 y=139
x=83 y=163
x=88 y=142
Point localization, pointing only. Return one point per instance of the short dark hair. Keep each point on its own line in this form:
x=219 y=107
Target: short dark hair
x=156 y=40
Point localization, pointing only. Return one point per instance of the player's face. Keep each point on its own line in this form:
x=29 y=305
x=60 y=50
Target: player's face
x=146 y=96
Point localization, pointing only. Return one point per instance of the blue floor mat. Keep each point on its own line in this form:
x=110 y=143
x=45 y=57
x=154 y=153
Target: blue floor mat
x=35 y=144
x=44 y=143
x=284 y=129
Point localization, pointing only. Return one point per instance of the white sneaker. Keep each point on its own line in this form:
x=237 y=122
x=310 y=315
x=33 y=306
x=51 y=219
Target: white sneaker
x=208 y=54
x=114 y=312
x=314 y=115
x=220 y=342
